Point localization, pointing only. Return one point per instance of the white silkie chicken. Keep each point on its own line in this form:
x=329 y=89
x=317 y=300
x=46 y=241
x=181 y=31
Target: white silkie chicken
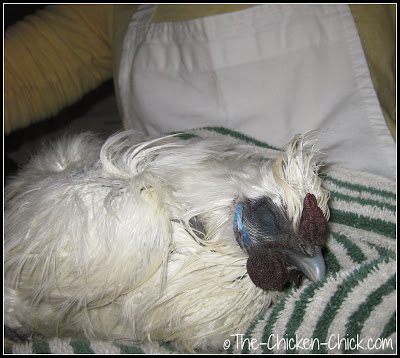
x=177 y=239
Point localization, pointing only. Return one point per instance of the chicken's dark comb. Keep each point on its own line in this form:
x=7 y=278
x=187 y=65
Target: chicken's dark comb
x=313 y=225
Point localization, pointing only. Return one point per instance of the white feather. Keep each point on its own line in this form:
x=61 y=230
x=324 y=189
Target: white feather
x=98 y=238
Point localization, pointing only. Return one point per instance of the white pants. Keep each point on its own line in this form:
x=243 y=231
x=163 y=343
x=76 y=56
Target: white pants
x=269 y=71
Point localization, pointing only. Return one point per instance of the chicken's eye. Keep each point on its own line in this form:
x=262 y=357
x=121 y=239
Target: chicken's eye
x=266 y=217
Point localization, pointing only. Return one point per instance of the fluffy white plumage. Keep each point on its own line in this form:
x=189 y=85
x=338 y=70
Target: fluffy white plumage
x=133 y=239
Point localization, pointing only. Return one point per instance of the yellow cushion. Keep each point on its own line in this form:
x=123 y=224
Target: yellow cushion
x=376 y=25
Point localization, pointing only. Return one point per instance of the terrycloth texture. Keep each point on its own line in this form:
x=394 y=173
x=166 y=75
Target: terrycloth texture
x=357 y=300
x=82 y=45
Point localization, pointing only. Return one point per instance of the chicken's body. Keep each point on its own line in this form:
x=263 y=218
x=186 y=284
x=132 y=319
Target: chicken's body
x=136 y=240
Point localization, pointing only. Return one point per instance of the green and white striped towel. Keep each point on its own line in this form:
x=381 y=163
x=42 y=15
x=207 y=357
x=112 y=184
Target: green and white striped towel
x=352 y=311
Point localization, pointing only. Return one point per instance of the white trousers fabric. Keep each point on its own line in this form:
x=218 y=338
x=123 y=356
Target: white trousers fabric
x=270 y=71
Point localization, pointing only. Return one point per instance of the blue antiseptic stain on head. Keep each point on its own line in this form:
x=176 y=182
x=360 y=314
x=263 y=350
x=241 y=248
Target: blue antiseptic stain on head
x=238 y=224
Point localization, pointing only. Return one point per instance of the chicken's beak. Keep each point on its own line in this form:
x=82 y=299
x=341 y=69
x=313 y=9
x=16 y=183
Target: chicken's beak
x=312 y=266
